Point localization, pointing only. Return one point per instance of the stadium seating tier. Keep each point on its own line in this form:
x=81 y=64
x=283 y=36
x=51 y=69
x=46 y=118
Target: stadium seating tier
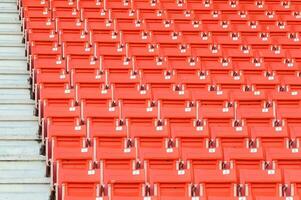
x=168 y=99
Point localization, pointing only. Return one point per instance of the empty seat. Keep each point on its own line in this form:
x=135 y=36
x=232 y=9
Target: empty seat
x=262 y=183
x=106 y=127
x=75 y=147
x=200 y=149
x=157 y=148
x=122 y=171
x=79 y=191
x=148 y=127
x=114 y=148
x=100 y=108
x=250 y=157
x=188 y=127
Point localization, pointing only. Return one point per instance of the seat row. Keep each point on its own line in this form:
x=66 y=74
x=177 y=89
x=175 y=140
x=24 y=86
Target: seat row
x=168 y=4
x=158 y=26
x=280 y=80
x=176 y=65
x=247 y=153
x=221 y=32
x=181 y=191
x=110 y=178
x=160 y=9
x=174 y=127
x=167 y=108
x=213 y=51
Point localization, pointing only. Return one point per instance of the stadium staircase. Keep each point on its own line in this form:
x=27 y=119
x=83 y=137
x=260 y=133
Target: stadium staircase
x=22 y=168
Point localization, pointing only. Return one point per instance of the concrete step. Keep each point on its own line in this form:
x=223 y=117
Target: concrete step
x=14 y=86
x=8 y=37
x=28 y=191
x=25 y=189
x=8 y=5
x=19 y=128
x=35 y=137
x=22 y=157
x=17 y=147
x=22 y=168
x=11 y=1
x=19 y=93
x=13 y=65
x=25 y=195
x=19 y=118
x=25 y=128
x=17 y=101
x=10 y=71
x=10 y=25
x=13 y=109
x=12 y=58
x=9 y=14
x=10 y=79
x=24 y=181
x=12 y=50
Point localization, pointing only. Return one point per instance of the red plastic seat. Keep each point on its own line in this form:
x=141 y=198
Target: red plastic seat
x=139 y=108
x=188 y=128
x=77 y=48
x=36 y=12
x=132 y=91
x=93 y=91
x=157 y=76
x=45 y=47
x=106 y=127
x=57 y=127
x=263 y=184
x=270 y=136
x=114 y=148
x=245 y=158
x=75 y=147
x=284 y=157
x=148 y=127
x=65 y=12
x=226 y=175
x=157 y=148
x=122 y=171
x=81 y=76
x=177 y=109
x=230 y=135
x=99 y=108
x=79 y=171
x=47 y=61
x=170 y=92
x=255 y=109
x=69 y=25
x=34 y=35
x=215 y=109
x=200 y=149
x=169 y=191
x=287 y=109
x=167 y=171
x=79 y=191
x=44 y=79
x=59 y=108
x=33 y=3
x=126 y=191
